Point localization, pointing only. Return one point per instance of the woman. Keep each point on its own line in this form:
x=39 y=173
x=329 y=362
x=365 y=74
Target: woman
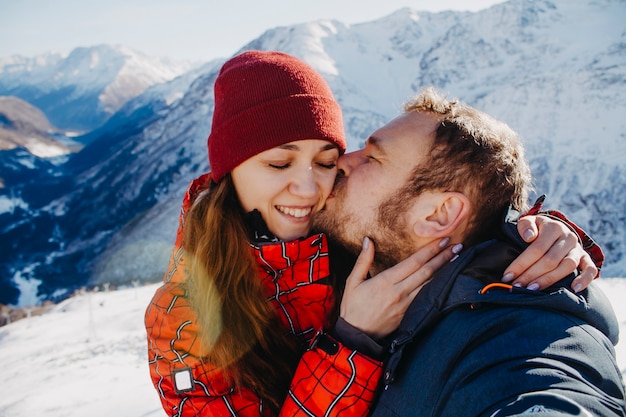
x=231 y=331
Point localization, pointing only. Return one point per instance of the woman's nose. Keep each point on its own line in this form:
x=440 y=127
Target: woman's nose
x=304 y=183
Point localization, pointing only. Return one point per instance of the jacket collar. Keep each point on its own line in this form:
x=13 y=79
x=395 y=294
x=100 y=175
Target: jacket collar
x=278 y=256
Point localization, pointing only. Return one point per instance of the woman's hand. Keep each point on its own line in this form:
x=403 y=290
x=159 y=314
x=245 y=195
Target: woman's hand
x=376 y=305
x=553 y=254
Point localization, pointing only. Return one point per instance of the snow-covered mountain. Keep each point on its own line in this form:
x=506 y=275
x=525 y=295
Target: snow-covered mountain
x=87 y=356
x=555 y=70
x=82 y=90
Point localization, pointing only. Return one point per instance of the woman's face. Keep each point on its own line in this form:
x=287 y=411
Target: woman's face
x=288 y=184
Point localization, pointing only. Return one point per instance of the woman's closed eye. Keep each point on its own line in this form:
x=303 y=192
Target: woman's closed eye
x=280 y=165
x=285 y=165
x=328 y=165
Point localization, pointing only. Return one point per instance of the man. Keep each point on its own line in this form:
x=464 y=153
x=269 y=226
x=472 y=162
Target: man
x=466 y=346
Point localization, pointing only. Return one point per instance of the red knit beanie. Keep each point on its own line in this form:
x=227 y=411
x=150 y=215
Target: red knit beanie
x=267 y=99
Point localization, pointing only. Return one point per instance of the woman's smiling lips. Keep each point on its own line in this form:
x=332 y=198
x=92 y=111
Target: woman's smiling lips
x=297 y=212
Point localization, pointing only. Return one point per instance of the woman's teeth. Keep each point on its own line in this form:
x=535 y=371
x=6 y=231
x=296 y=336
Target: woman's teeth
x=295 y=212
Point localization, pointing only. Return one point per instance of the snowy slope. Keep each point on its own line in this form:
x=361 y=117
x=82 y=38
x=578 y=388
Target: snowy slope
x=87 y=357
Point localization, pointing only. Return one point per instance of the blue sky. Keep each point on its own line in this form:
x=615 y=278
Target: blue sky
x=183 y=29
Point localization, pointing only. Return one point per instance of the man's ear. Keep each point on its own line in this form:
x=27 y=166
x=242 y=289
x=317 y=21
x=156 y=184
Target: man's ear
x=441 y=214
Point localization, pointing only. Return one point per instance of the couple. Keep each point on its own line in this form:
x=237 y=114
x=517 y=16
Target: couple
x=252 y=320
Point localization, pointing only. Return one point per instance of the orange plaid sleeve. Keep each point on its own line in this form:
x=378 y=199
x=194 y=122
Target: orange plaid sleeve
x=332 y=380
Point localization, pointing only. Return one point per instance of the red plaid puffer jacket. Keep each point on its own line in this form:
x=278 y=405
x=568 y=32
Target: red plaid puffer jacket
x=340 y=382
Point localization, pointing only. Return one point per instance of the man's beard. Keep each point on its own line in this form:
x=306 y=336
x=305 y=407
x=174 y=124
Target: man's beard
x=388 y=231
x=335 y=223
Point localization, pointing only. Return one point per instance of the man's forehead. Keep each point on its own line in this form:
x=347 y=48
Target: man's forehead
x=411 y=130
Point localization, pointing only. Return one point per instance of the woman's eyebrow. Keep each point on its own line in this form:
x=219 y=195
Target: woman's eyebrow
x=289 y=147
x=295 y=147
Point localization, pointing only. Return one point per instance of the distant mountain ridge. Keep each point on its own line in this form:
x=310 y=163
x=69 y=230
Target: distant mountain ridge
x=23 y=125
x=81 y=91
x=554 y=70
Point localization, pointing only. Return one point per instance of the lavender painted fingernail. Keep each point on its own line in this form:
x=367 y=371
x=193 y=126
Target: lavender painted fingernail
x=528 y=234
x=508 y=277
x=533 y=287
x=457 y=248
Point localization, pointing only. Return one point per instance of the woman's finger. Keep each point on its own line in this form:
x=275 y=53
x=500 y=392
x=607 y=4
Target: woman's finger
x=362 y=265
x=403 y=269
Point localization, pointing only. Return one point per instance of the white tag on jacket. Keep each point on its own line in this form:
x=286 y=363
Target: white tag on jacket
x=183 y=380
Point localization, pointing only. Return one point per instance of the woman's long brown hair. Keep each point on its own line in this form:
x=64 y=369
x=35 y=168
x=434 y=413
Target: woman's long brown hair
x=241 y=333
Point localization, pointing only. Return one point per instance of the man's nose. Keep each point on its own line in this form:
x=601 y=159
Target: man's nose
x=347 y=162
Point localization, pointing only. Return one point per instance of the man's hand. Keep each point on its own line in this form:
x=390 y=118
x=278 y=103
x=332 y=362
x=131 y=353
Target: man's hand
x=554 y=253
x=376 y=305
